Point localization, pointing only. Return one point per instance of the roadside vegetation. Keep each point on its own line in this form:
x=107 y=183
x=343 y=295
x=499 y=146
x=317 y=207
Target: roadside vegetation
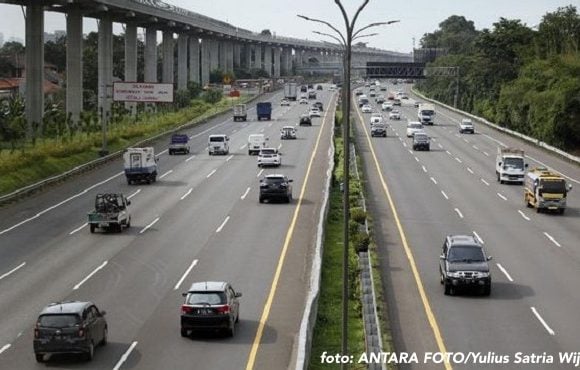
x=525 y=78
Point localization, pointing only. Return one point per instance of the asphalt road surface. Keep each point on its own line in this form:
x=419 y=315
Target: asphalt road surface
x=452 y=189
x=200 y=221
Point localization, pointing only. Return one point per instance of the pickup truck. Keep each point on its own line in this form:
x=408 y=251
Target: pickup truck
x=179 y=144
x=111 y=212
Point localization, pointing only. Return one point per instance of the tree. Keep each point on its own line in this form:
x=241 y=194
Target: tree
x=55 y=53
x=455 y=34
x=266 y=33
x=212 y=96
x=559 y=32
x=216 y=76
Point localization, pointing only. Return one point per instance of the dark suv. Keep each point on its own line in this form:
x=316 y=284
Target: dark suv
x=463 y=263
x=421 y=141
x=69 y=327
x=318 y=105
x=305 y=120
x=275 y=187
x=210 y=305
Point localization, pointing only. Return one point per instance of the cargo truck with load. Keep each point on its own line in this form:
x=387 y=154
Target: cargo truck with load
x=291 y=90
x=240 y=112
x=264 y=111
x=111 y=212
x=426 y=114
x=179 y=144
x=140 y=165
x=545 y=190
x=510 y=165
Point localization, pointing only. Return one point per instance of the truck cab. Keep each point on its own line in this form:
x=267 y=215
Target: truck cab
x=179 y=144
x=240 y=112
x=140 y=165
x=510 y=165
x=426 y=114
x=218 y=144
x=546 y=190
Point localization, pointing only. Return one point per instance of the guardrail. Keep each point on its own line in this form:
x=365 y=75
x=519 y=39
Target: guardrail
x=24 y=191
x=529 y=139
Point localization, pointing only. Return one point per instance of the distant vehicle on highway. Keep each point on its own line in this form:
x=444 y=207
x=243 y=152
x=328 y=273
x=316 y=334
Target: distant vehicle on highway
x=303 y=101
x=319 y=87
x=288 y=133
x=240 y=112
x=421 y=141
x=466 y=126
x=510 y=165
x=367 y=108
x=417 y=103
x=380 y=99
x=111 y=212
x=140 y=165
x=218 y=144
x=546 y=190
x=312 y=94
x=264 y=111
x=318 y=105
x=387 y=107
x=256 y=142
x=413 y=127
x=179 y=144
x=269 y=157
x=285 y=102
x=395 y=114
x=210 y=305
x=305 y=120
x=277 y=187
x=314 y=112
x=463 y=264
x=378 y=129
x=69 y=328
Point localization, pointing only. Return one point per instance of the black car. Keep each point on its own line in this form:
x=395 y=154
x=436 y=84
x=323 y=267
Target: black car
x=421 y=142
x=463 y=264
x=303 y=88
x=275 y=187
x=312 y=94
x=69 y=327
x=210 y=305
x=318 y=105
x=305 y=120
x=319 y=87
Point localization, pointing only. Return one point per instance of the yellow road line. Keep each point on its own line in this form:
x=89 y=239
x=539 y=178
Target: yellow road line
x=288 y=239
x=408 y=252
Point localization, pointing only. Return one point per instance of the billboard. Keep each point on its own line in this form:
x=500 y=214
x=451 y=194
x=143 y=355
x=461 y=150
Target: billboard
x=145 y=92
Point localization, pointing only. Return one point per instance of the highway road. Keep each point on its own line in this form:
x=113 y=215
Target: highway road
x=200 y=221
x=452 y=190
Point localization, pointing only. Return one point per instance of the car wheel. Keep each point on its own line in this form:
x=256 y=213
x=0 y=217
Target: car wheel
x=129 y=182
x=91 y=352
x=128 y=222
x=561 y=211
x=231 y=330
x=447 y=288
x=104 y=341
x=184 y=332
x=170 y=152
x=92 y=227
x=238 y=316
x=39 y=357
x=486 y=290
x=261 y=200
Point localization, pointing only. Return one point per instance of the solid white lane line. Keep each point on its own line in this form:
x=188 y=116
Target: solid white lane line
x=125 y=356
x=548 y=329
x=440 y=146
x=485 y=182
x=424 y=169
x=243 y=146
x=417 y=159
x=5 y=275
x=410 y=151
x=523 y=215
x=445 y=195
x=552 y=239
x=219 y=229
x=505 y=272
x=458 y=160
x=234 y=131
x=495 y=140
x=61 y=203
x=148 y=226
x=475 y=147
x=5 y=347
x=245 y=194
x=467 y=141
x=230 y=157
x=434 y=181
x=135 y=193
x=459 y=213
x=90 y=275
x=470 y=170
x=280 y=146
x=262 y=130
x=210 y=174
x=78 y=228
x=190 y=158
x=448 y=152
x=486 y=154
x=405 y=145
x=165 y=174
x=270 y=124
x=186 y=194
x=260 y=173
x=501 y=196
x=185 y=275
x=478 y=237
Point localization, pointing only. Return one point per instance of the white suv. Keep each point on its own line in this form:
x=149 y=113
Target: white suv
x=269 y=157
x=466 y=126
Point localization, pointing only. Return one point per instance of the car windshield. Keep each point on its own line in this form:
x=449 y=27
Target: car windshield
x=427 y=112
x=415 y=126
x=275 y=180
x=465 y=254
x=467 y=123
x=217 y=139
x=421 y=137
x=268 y=151
x=59 y=321
x=517 y=163
x=201 y=298
x=553 y=186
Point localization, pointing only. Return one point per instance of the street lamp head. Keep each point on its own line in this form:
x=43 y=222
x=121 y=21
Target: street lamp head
x=303 y=17
x=394 y=21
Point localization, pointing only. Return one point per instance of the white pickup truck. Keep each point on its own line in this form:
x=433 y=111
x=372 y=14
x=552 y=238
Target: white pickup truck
x=510 y=165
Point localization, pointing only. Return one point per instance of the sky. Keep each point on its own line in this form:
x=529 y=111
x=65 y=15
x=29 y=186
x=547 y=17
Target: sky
x=417 y=17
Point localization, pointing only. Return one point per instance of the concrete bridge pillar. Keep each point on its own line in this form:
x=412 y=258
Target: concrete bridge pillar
x=105 y=69
x=286 y=65
x=268 y=59
x=229 y=55
x=237 y=55
x=248 y=56
x=277 y=61
x=130 y=61
x=258 y=56
x=34 y=63
x=182 y=43
x=74 y=64
x=150 y=55
x=206 y=46
x=168 y=57
x=214 y=51
x=194 y=58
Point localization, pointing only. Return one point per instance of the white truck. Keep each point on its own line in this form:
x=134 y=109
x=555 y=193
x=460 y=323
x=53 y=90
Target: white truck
x=240 y=112
x=510 y=165
x=140 y=165
x=256 y=142
x=426 y=113
x=291 y=90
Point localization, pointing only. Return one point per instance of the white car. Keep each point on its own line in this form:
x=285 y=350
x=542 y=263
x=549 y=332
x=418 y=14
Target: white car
x=387 y=107
x=314 y=112
x=466 y=126
x=303 y=101
x=285 y=102
x=395 y=114
x=269 y=157
x=414 y=127
x=367 y=108
x=288 y=132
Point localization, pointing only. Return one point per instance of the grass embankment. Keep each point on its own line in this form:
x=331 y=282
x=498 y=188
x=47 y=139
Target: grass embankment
x=328 y=327
x=51 y=157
